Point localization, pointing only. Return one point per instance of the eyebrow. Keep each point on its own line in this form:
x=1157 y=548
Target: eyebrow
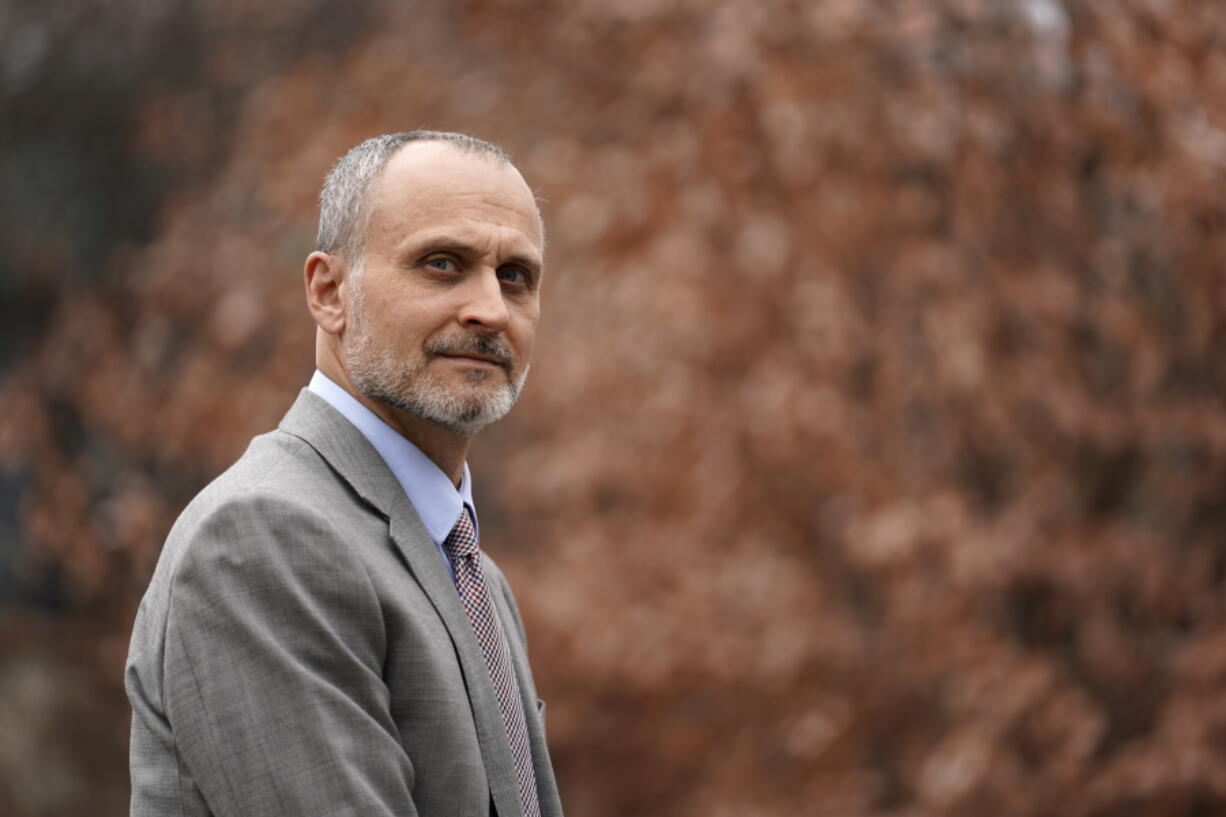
x=445 y=244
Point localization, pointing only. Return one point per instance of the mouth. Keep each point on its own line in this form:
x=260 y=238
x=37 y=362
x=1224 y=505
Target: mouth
x=476 y=360
x=473 y=359
x=475 y=352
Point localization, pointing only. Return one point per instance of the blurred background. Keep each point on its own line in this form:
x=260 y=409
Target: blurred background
x=874 y=454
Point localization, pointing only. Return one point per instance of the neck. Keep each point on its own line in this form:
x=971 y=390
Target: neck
x=444 y=447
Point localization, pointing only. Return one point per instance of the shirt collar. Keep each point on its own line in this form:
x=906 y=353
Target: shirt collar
x=438 y=503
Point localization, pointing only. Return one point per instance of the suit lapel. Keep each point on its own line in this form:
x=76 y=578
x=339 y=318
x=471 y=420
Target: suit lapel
x=349 y=453
x=427 y=566
x=546 y=786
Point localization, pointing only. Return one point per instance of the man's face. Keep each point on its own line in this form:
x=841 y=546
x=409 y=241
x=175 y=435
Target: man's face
x=443 y=310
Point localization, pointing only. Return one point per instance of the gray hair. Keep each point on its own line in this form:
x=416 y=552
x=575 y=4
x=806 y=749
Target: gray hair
x=343 y=210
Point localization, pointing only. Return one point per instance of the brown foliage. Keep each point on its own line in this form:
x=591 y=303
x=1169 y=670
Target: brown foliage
x=872 y=455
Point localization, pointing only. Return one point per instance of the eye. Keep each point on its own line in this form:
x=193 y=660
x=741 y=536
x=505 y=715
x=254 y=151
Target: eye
x=441 y=263
x=513 y=275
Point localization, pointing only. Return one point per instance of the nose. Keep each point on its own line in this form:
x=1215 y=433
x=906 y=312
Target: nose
x=484 y=308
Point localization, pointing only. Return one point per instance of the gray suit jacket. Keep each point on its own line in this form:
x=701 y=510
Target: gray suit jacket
x=302 y=649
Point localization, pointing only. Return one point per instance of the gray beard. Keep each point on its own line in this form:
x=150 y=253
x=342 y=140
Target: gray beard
x=380 y=375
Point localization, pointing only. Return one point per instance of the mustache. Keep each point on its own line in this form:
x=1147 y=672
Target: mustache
x=488 y=345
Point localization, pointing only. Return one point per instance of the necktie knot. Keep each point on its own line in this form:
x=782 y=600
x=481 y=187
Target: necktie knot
x=462 y=541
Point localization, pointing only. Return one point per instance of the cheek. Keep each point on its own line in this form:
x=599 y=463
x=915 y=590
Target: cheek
x=523 y=334
x=412 y=317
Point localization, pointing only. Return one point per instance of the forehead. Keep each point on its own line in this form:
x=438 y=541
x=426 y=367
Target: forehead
x=434 y=187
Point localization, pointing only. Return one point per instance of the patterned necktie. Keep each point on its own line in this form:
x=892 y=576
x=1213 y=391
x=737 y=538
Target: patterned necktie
x=461 y=545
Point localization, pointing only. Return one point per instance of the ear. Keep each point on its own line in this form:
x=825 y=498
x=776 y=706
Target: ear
x=324 y=276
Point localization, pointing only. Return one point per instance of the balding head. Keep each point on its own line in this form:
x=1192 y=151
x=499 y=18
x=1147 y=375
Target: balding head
x=344 y=201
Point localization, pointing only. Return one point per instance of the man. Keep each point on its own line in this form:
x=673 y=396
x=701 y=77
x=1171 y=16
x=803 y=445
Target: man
x=322 y=635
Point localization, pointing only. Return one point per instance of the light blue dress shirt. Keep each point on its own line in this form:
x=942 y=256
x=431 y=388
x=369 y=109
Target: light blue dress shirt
x=437 y=501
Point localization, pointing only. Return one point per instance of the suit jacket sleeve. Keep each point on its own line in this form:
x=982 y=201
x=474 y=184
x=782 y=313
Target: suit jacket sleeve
x=272 y=677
